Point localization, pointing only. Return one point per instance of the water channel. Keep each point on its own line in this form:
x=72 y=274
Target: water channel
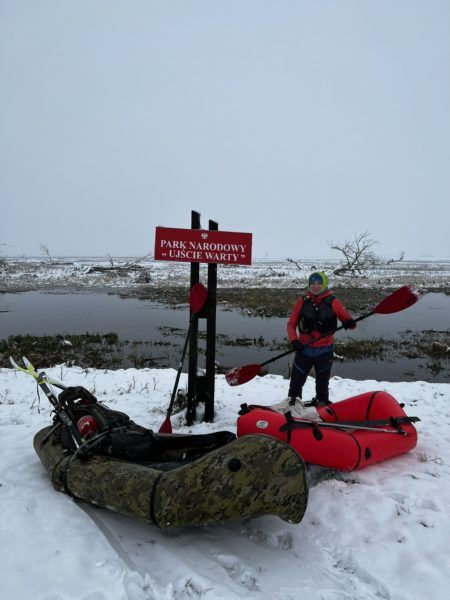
x=241 y=338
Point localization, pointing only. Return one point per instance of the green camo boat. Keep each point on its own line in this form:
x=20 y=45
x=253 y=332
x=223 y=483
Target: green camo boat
x=194 y=479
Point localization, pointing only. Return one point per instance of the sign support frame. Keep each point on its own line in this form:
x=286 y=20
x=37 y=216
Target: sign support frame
x=211 y=246
x=201 y=388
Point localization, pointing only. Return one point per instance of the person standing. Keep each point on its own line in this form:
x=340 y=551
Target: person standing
x=313 y=317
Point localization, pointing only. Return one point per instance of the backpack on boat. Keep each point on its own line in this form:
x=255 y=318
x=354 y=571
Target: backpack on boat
x=116 y=435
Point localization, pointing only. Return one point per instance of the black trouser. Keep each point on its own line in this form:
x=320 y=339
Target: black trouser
x=302 y=366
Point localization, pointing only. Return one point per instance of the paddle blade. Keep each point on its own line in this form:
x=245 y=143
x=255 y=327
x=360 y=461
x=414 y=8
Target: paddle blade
x=197 y=297
x=166 y=427
x=240 y=375
x=402 y=298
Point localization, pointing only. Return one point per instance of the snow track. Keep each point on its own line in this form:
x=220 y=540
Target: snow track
x=381 y=533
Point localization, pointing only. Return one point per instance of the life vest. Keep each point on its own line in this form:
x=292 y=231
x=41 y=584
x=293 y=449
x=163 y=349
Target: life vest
x=317 y=317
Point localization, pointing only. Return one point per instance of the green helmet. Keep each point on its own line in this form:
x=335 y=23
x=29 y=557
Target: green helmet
x=320 y=277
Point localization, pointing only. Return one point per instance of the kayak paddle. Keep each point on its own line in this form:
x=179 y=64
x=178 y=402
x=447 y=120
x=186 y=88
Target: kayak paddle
x=197 y=298
x=402 y=298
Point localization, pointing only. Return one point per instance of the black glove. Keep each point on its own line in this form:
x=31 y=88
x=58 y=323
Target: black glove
x=349 y=324
x=296 y=345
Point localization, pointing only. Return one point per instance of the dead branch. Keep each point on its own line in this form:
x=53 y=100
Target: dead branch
x=399 y=259
x=358 y=254
x=136 y=261
x=132 y=265
x=294 y=262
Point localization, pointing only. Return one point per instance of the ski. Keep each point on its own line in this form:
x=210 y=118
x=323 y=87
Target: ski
x=44 y=383
x=30 y=370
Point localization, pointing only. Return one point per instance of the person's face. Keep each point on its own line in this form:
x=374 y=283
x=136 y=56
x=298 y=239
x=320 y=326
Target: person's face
x=316 y=287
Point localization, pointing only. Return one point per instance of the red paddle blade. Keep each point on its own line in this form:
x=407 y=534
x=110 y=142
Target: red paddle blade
x=402 y=298
x=197 y=297
x=166 y=427
x=240 y=375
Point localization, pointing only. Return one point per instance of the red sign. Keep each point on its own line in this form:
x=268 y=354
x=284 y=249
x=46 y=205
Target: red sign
x=203 y=245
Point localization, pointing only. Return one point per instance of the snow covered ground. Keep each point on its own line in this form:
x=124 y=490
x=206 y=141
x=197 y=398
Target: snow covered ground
x=121 y=273
x=380 y=533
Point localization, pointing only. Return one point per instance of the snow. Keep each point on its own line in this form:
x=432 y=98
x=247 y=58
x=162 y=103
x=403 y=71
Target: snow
x=89 y=272
x=377 y=533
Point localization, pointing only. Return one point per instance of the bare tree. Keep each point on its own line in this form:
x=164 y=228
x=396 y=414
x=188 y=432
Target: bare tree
x=358 y=254
x=44 y=249
x=2 y=258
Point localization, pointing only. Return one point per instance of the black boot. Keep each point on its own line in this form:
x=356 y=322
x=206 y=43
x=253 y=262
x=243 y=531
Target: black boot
x=312 y=402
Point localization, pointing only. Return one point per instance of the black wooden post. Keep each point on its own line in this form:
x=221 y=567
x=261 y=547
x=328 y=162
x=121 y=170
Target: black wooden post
x=193 y=340
x=211 y=336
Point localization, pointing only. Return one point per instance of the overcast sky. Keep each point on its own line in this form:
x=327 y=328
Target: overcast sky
x=300 y=122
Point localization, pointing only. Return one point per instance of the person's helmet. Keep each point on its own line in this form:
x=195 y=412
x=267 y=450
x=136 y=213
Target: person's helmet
x=318 y=277
x=87 y=426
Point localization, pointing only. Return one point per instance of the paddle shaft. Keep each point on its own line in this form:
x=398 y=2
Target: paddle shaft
x=333 y=331
x=398 y=300
x=180 y=367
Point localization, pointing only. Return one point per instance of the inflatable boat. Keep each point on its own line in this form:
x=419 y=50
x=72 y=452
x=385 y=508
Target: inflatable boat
x=348 y=435
x=182 y=480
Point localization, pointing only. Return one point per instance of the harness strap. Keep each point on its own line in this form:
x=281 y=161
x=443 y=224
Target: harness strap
x=79 y=453
x=292 y=424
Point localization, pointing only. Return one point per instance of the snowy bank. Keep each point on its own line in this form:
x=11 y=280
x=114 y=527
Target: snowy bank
x=377 y=533
x=121 y=274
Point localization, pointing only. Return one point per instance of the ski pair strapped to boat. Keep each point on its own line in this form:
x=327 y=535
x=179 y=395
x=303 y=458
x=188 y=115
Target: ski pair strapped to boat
x=30 y=370
x=44 y=383
x=82 y=440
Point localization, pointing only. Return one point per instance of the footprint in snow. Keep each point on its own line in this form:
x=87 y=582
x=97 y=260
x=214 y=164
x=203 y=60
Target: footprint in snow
x=187 y=587
x=114 y=568
x=348 y=565
x=237 y=572
x=429 y=504
x=282 y=540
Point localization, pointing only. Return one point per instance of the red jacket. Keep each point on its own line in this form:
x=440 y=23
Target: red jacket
x=305 y=337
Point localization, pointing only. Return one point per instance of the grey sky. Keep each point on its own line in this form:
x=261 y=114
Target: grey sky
x=301 y=122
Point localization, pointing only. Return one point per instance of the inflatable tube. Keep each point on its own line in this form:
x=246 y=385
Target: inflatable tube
x=340 y=449
x=248 y=477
